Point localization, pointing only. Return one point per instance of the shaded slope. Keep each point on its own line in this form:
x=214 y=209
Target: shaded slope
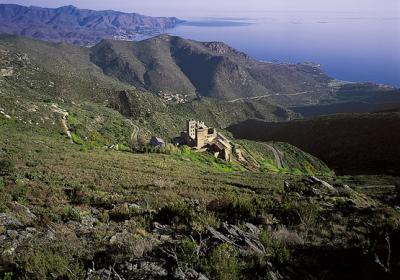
x=356 y=143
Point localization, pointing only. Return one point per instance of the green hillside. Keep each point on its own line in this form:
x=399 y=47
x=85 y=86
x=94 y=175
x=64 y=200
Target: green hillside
x=83 y=197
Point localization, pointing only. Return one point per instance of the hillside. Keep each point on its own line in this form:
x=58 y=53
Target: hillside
x=348 y=143
x=77 y=26
x=173 y=65
x=83 y=197
x=75 y=213
x=176 y=65
x=42 y=71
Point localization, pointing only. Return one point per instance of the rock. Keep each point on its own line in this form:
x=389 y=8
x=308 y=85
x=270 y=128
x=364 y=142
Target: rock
x=9 y=221
x=88 y=221
x=286 y=186
x=134 y=208
x=154 y=269
x=344 y=190
x=219 y=236
x=328 y=187
x=179 y=274
x=103 y=274
x=192 y=274
x=252 y=228
x=162 y=229
x=113 y=239
x=237 y=237
x=13 y=234
x=23 y=213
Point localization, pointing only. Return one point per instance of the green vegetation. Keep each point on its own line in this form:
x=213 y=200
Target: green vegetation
x=102 y=203
x=293 y=160
x=222 y=263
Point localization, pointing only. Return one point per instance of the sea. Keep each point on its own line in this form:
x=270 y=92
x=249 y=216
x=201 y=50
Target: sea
x=347 y=46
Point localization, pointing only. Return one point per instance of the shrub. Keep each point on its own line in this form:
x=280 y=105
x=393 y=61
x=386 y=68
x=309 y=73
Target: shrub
x=188 y=251
x=8 y=276
x=7 y=167
x=122 y=148
x=49 y=263
x=222 y=263
x=256 y=267
x=120 y=213
x=171 y=149
x=235 y=209
x=70 y=214
x=275 y=248
x=175 y=213
x=76 y=139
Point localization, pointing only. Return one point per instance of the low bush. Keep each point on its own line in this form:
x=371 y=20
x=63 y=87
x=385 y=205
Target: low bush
x=275 y=248
x=175 y=213
x=222 y=263
x=235 y=209
x=120 y=213
x=70 y=214
x=7 y=167
x=76 y=139
x=50 y=261
x=187 y=252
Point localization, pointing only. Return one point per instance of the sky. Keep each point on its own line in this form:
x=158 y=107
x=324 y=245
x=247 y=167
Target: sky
x=204 y=8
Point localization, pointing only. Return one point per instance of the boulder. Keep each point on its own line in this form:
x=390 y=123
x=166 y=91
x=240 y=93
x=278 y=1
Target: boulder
x=233 y=235
x=162 y=229
x=8 y=220
x=23 y=213
x=326 y=186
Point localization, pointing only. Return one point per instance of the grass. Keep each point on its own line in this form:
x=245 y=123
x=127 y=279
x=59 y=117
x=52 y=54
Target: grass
x=95 y=204
x=62 y=184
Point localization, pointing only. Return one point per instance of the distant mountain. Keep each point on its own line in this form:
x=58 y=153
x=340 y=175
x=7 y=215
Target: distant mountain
x=78 y=26
x=213 y=69
x=348 y=143
x=173 y=65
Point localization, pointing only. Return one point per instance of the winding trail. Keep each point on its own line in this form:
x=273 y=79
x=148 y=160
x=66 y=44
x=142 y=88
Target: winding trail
x=64 y=119
x=267 y=95
x=135 y=133
x=278 y=156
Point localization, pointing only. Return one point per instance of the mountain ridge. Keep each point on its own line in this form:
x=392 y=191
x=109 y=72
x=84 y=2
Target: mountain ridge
x=212 y=69
x=79 y=26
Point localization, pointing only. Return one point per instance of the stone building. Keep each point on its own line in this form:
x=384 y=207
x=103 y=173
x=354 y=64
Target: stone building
x=198 y=136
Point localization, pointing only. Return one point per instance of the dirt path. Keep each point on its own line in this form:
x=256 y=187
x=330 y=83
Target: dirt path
x=266 y=95
x=278 y=156
x=64 y=119
x=135 y=133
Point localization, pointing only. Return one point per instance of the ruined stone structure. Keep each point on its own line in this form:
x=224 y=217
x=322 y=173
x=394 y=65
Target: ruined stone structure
x=198 y=136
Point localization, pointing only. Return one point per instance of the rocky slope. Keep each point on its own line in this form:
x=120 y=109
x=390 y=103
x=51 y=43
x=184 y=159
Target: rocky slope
x=73 y=25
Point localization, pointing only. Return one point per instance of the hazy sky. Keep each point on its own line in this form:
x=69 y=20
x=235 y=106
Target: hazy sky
x=201 y=8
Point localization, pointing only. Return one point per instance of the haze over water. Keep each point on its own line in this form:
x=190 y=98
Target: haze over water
x=348 y=47
x=354 y=40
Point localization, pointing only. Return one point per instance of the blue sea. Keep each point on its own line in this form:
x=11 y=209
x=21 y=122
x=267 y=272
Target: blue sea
x=347 y=46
